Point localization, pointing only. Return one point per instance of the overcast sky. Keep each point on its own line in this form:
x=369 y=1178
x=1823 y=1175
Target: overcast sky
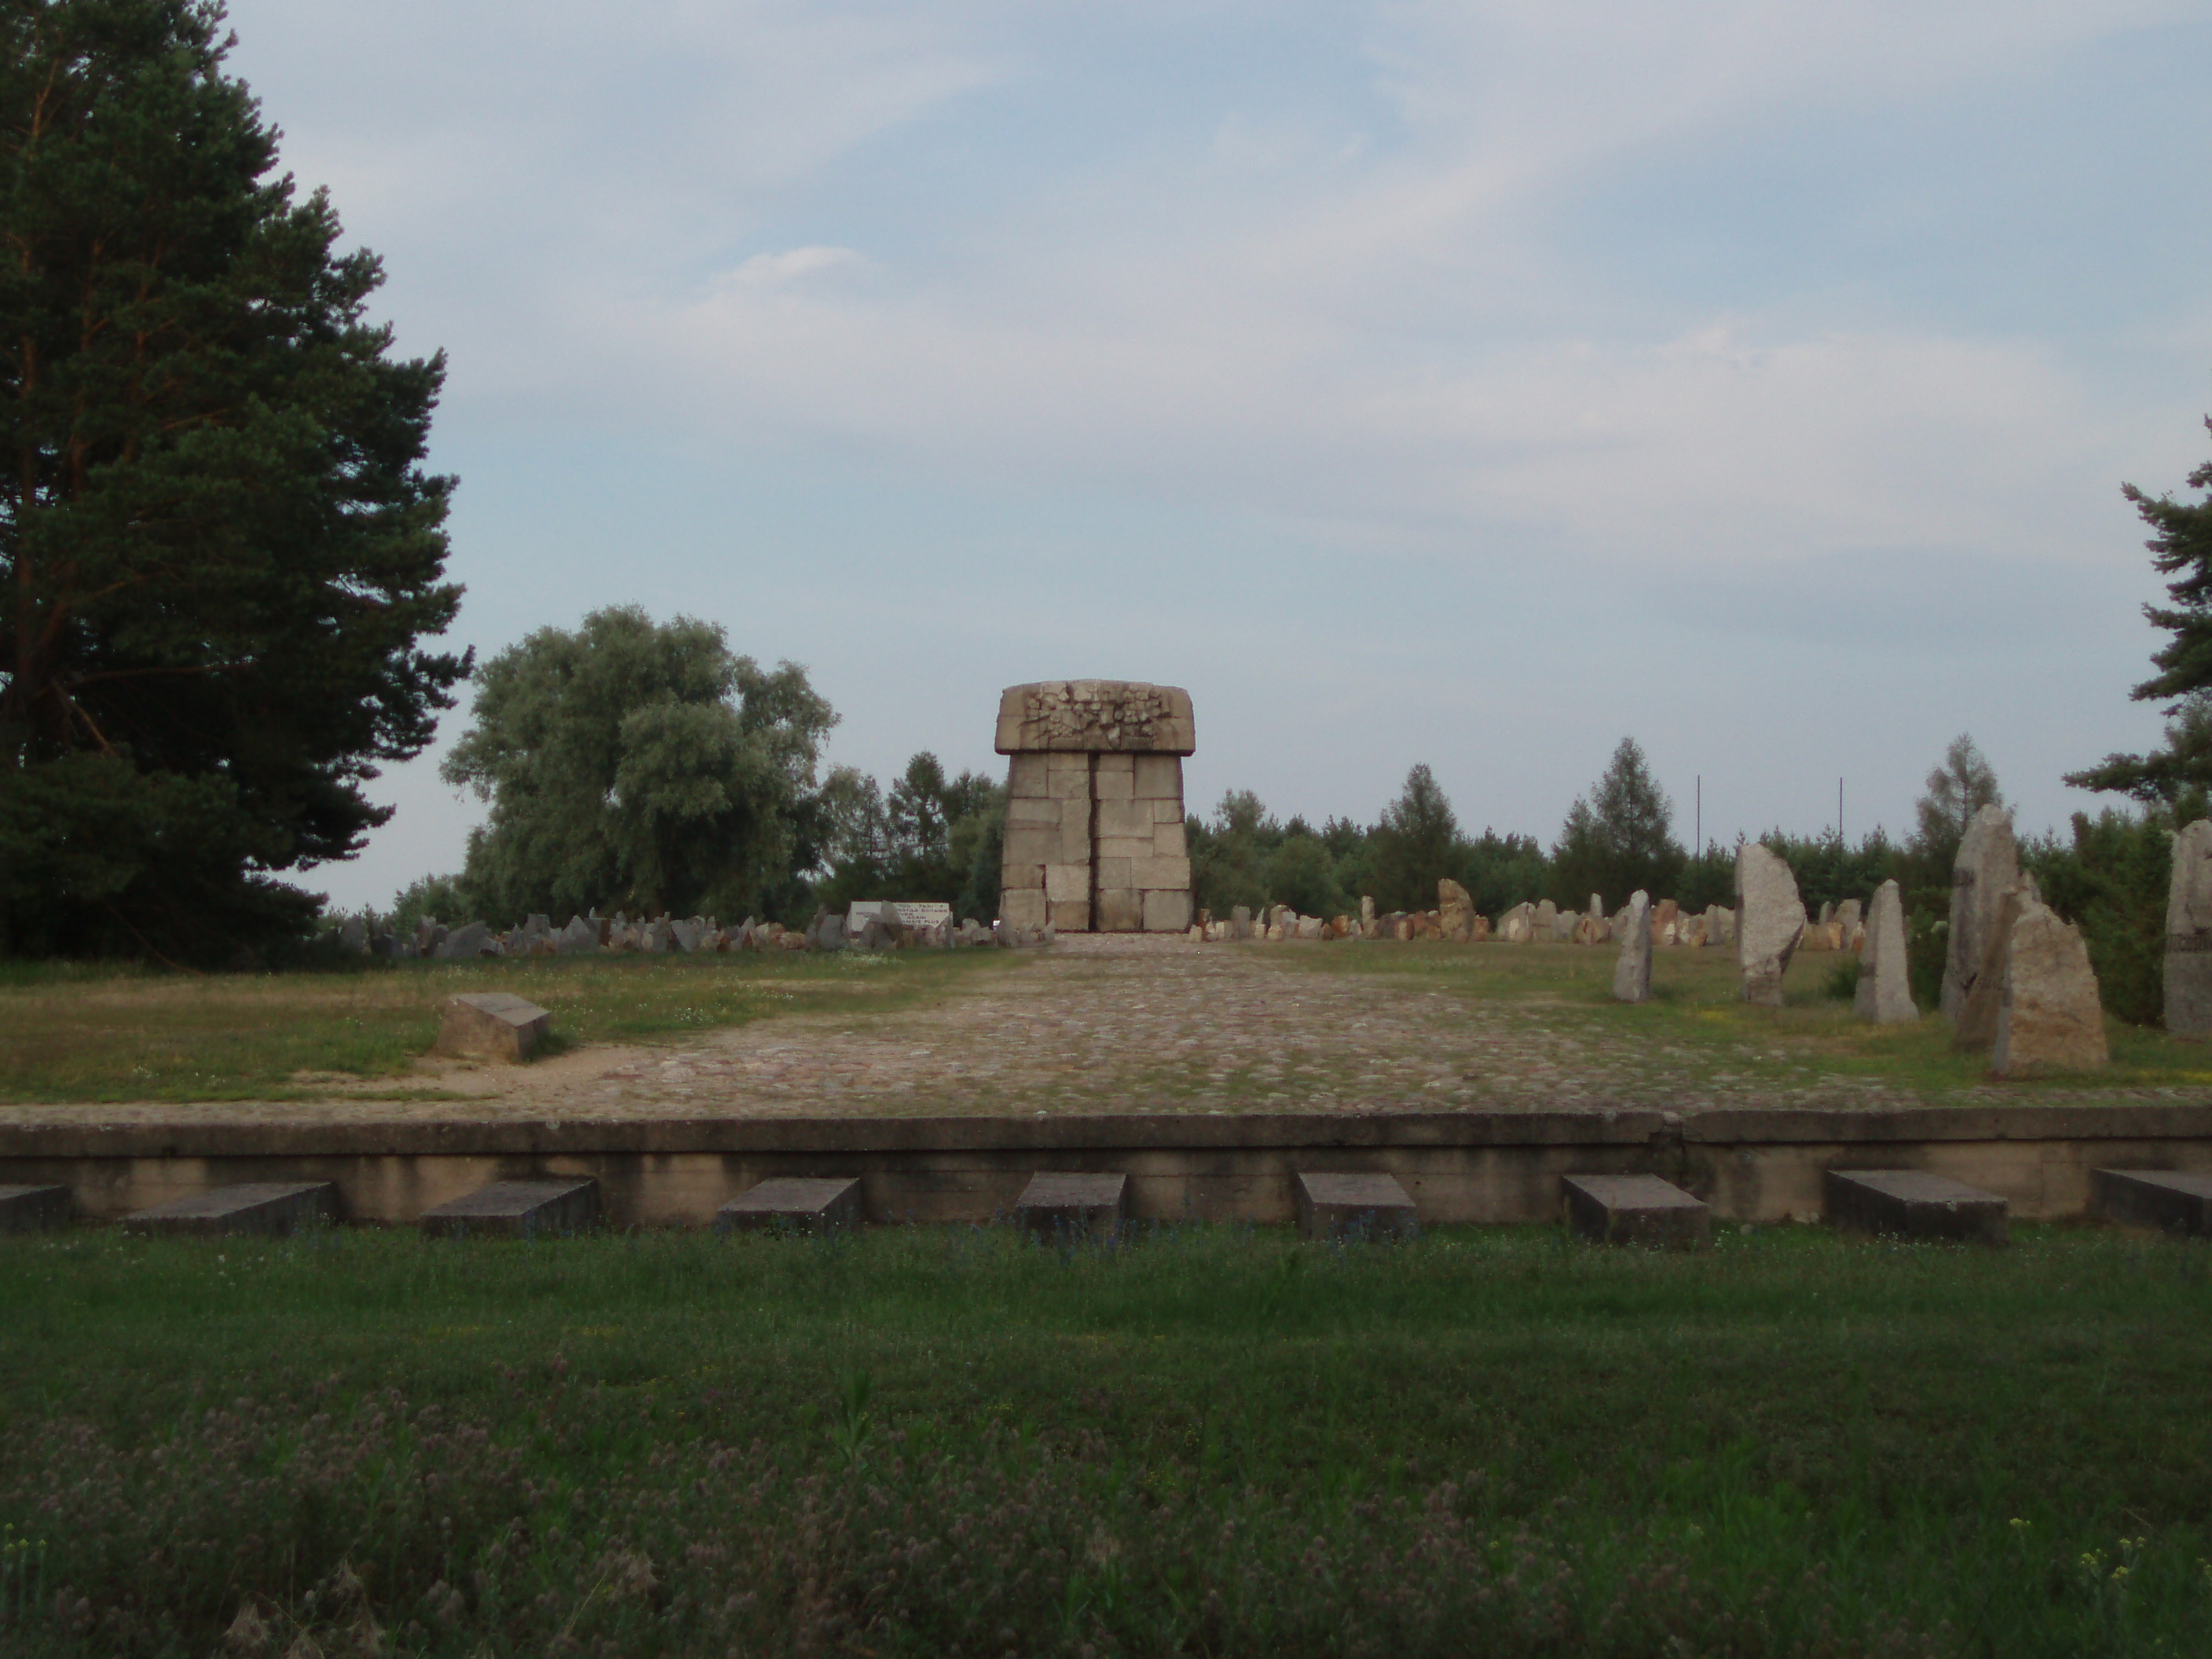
x=1470 y=383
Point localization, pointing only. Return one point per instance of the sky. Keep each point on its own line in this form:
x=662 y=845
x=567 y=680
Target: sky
x=1470 y=385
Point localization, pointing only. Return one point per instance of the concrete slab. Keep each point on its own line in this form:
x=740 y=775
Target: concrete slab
x=1912 y=1204
x=275 y=1208
x=33 y=1209
x=1636 y=1209
x=1073 y=1206
x=1354 y=1206
x=493 y=1023
x=2178 y=1201
x=795 y=1204
x=516 y=1209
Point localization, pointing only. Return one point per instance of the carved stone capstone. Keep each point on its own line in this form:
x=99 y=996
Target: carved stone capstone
x=1095 y=717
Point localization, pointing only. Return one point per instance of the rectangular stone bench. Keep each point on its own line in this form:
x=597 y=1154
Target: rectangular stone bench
x=2178 y=1201
x=1073 y=1206
x=1636 y=1209
x=33 y=1209
x=1912 y=1204
x=516 y=1209
x=275 y=1208
x=1354 y=1206
x=796 y=1204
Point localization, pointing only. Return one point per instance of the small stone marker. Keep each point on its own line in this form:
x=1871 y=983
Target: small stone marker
x=1885 y=993
x=517 y=1209
x=2189 y=935
x=1632 y=973
x=1987 y=868
x=274 y=1207
x=798 y=1204
x=493 y=1024
x=1072 y=1207
x=33 y=1209
x=2179 y=1202
x=1354 y=1206
x=1454 y=911
x=1912 y=1204
x=1770 y=921
x=1637 y=1209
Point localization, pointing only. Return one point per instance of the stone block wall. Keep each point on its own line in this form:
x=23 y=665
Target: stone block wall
x=1094 y=810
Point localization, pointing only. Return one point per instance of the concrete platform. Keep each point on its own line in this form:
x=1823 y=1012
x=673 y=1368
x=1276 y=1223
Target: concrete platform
x=1636 y=1209
x=1354 y=1206
x=1913 y=1204
x=272 y=1208
x=2178 y=1201
x=33 y=1209
x=1073 y=1206
x=795 y=1204
x=516 y=1209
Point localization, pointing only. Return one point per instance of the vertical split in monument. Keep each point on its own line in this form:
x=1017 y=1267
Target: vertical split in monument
x=1094 y=806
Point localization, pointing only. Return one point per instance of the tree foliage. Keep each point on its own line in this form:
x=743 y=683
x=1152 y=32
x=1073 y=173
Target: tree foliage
x=1618 y=838
x=932 y=838
x=1959 y=787
x=219 y=546
x=641 y=766
x=2182 y=549
x=1416 y=844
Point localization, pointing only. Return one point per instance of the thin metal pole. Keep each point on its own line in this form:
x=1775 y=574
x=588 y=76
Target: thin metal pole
x=1700 y=842
x=1839 y=840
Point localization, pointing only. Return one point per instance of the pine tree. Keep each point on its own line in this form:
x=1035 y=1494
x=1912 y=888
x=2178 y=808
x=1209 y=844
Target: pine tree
x=1619 y=838
x=1416 y=845
x=218 y=544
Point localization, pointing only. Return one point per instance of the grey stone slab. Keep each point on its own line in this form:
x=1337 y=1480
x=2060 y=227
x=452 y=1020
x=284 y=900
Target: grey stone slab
x=795 y=1204
x=33 y=1209
x=271 y=1208
x=517 y=1209
x=1354 y=1206
x=1068 y=1207
x=1637 y=1209
x=2178 y=1201
x=493 y=1023
x=1912 y=1204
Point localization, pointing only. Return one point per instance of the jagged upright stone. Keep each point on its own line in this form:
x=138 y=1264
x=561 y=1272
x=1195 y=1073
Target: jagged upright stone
x=1987 y=868
x=1885 y=993
x=1454 y=911
x=2051 y=1019
x=2189 y=935
x=1631 y=972
x=1976 y=1027
x=1770 y=919
x=1518 y=924
x=1094 y=839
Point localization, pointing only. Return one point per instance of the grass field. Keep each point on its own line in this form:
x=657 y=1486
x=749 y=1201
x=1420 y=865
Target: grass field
x=99 y=1033
x=1209 y=1442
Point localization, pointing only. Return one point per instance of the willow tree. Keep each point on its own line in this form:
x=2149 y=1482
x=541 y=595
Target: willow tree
x=219 y=548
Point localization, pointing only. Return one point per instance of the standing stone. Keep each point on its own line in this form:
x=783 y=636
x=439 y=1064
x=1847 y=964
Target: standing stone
x=2051 y=1019
x=1987 y=868
x=1770 y=919
x=1631 y=974
x=465 y=943
x=1518 y=924
x=2189 y=935
x=579 y=938
x=1366 y=916
x=1885 y=993
x=1547 y=915
x=1976 y=1027
x=1454 y=911
x=353 y=935
x=1720 y=925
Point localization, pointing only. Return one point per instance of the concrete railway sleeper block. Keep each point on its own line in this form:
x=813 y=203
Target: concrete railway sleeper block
x=1068 y=1208
x=33 y=1209
x=273 y=1209
x=1913 y=1204
x=517 y=1209
x=795 y=1204
x=1354 y=1208
x=2175 y=1200
x=1636 y=1209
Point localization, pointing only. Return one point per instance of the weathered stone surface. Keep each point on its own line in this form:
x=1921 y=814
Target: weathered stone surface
x=1632 y=973
x=273 y=1209
x=1912 y=1204
x=1770 y=918
x=493 y=1024
x=1885 y=993
x=473 y=940
x=795 y=1204
x=1095 y=716
x=1070 y=1207
x=2189 y=935
x=579 y=938
x=517 y=1209
x=1072 y=915
x=1987 y=868
x=1454 y=911
x=1720 y=925
x=1119 y=910
x=1975 y=1025
x=1636 y=1209
x=33 y=1209
x=2176 y=1200
x=1023 y=908
x=1166 y=912
x=1518 y=924
x=1354 y=1207
x=1158 y=778
x=2052 y=1019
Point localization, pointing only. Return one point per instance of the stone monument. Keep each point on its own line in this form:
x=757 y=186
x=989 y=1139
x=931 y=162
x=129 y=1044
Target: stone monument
x=1094 y=806
x=1987 y=868
x=1885 y=991
x=1770 y=921
x=1632 y=973
x=2189 y=935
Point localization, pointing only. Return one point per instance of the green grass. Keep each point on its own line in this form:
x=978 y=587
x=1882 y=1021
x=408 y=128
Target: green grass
x=74 y=1033
x=1214 y=1441
x=1698 y=1021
